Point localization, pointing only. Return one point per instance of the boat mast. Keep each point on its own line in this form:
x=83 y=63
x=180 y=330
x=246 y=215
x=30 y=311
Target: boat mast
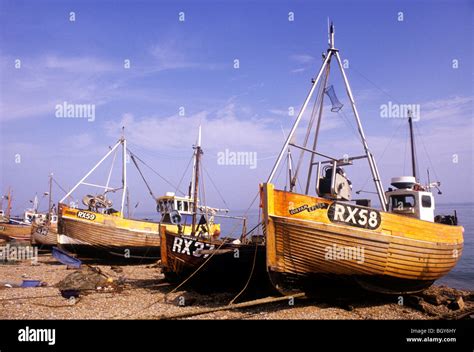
x=290 y=169
x=412 y=143
x=368 y=153
x=91 y=171
x=197 y=157
x=9 y=203
x=124 y=171
x=297 y=121
x=316 y=133
x=50 y=206
x=332 y=51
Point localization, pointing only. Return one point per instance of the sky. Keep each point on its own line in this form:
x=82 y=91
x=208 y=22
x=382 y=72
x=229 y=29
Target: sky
x=237 y=68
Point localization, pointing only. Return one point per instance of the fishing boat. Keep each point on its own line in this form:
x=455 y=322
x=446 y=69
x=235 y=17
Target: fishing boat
x=17 y=228
x=195 y=254
x=44 y=229
x=98 y=230
x=400 y=247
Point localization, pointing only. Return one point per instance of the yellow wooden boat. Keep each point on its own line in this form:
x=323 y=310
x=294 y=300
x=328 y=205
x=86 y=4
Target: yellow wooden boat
x=98 y=230
x=12 y=231
x=400 y=247
x=91 y=233
x=17 y=229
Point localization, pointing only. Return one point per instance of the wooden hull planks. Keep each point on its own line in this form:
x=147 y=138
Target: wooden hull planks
x=15 y=232
x=108 y=235
x=402 y=254
x=44 y=235
x=217 y=265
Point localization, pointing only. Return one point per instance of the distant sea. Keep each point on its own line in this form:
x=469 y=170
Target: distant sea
x=461 y=277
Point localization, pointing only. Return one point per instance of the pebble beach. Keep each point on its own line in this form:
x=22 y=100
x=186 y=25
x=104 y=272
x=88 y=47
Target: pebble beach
x=141 y=292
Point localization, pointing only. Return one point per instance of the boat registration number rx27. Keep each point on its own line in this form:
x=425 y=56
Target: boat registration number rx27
x=190 y=247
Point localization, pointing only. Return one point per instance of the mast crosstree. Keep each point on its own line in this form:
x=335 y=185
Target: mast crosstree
x=332 y=52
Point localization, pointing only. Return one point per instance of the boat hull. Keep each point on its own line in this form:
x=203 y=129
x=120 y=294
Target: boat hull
x=397 y=255
x=215 y=265
x=44 y=235
x=15 y=232
x=107 y=236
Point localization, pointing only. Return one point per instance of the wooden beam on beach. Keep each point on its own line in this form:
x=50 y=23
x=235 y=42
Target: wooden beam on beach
x=247 y=304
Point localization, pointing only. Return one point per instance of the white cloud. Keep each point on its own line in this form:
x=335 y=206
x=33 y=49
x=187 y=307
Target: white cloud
x=221 y=128
x=302 y=58
x=298 y=70
x=446 y=108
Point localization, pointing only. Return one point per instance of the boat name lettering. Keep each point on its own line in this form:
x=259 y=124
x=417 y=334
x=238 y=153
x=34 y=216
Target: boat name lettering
x=85 y=215
x=190 y=247
x=308 y=208
x=354 y=216
x=43 y=231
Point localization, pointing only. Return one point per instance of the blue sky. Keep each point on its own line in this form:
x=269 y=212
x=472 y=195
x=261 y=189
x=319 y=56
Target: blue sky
x=190 y=65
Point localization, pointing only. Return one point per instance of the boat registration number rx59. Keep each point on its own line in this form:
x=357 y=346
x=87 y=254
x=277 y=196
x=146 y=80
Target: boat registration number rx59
x=85 y=215
x=354 y=216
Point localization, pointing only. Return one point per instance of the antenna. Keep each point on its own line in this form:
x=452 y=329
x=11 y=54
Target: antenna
x=331 y=34
x=412 y=143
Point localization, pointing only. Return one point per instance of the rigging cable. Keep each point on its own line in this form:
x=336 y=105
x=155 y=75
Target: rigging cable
x=214 y=185
x=154 y=171
x=132 y=156
x=426 y=151
x=184 y=173
x=316 y=105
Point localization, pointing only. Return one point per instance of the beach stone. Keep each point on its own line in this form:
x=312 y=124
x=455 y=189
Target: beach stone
x=457 y=304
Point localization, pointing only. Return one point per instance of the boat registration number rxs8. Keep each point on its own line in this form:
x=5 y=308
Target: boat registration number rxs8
x=354 y=216
x=85 y=215
x=190 y=247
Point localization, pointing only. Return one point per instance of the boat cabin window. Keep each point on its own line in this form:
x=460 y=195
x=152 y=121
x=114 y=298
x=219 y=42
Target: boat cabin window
x=180 y=205
x=402 y=201
x=426 y=201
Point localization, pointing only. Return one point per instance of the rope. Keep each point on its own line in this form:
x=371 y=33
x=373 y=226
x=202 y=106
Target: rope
x=385 y=149
x=215 y=187
x=185 y=171
x=189 y=277
x=154 y=171
x=376 y=86
x=62 y=189
x=132 y=156
x=317 y=104
x=198 y=269
x=426 y=151
x=252 y=270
